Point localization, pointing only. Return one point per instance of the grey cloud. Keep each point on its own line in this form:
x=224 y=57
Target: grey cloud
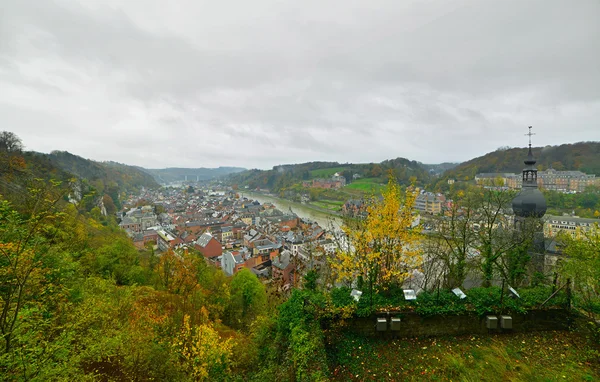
x=267 y=82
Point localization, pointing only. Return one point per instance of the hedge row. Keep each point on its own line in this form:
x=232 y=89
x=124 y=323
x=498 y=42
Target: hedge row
x=480 y=301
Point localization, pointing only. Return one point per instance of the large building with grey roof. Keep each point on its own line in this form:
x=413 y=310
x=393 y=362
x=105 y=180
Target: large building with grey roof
x=573 y=225
x=551 y=179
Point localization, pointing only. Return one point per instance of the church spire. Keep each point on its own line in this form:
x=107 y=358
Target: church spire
x=530 y=160
x=530 y=172
x=529 y=202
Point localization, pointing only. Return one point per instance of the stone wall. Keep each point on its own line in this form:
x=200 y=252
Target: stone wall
x=413 y=325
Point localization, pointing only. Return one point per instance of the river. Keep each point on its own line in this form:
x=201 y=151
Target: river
x=324 y=219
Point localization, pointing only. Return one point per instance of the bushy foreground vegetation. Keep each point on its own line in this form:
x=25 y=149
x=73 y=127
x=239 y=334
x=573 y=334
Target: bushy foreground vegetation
x=79 y=302
x=479 y=301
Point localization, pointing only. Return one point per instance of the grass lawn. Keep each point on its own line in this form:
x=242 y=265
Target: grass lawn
x=333 y=205
x=543 y=356
x=366 y=185
x=326 y=172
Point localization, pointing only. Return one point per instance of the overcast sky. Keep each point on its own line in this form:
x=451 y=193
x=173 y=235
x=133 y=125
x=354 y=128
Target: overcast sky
x=256 y=83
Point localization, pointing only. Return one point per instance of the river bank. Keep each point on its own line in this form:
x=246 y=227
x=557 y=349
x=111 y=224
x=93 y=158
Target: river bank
x=324 y=217
x=323 y=210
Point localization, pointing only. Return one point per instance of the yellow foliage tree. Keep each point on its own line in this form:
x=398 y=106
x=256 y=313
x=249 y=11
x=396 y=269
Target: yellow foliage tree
x=177 y=273
x=382 y=248
x=582 y=265
x=25 y=245
x=203 y=354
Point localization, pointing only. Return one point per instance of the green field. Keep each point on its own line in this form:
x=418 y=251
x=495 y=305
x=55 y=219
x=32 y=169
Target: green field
x=326 y=172
x=544 y=356
x=366 y=185
x=333 y=205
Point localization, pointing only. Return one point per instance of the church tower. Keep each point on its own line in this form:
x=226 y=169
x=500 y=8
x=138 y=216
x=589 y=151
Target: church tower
x=530 y=202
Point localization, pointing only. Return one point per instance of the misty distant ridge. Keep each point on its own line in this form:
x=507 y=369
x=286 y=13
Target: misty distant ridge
x=432 y=167
x=177 y=174
x=90 y=169
x=583 y=156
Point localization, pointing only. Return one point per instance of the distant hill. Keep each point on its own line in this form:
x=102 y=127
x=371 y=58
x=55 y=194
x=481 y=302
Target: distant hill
x=582 y=156
x=288 y=175
x=440 y=168
x=176 y=174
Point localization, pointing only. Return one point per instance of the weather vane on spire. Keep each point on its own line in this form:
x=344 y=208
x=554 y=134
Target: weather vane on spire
x=530 y=134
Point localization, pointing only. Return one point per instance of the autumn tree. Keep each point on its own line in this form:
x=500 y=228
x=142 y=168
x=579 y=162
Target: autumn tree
x=248 y=299
x=109 y=204
x=24 y=248
x=382 y=248
x=10 y=142
x=203 y=354
x=455 y=237
x=495 y=234
x=478 y=232
x=582 y=265
x=434 y=250
x=114 y=255
x=178 y=273
x=517 y=264
x=11 y=158
x=376 y=171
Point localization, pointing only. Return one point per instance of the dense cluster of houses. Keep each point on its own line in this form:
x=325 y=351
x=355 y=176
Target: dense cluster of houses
x=234 y=233
x=425 y=202
x=228 y=231
x=432 y=203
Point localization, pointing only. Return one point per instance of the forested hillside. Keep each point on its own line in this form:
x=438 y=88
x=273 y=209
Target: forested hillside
x=286 y=176
x=20 y=170
x=90 y=184
x=582 y=156
x=126 y=178
x=79 y=302
x=440 y=168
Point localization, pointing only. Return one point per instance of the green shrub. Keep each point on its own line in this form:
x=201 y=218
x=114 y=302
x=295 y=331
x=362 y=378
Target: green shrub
x=300 y=337
x=307 y=353
x=484 y=300
x=480 y=301
x=442 y=303
x=532 y=298
x=340 y=297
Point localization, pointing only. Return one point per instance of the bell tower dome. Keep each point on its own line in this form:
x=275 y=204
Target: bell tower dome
x=530 y=201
